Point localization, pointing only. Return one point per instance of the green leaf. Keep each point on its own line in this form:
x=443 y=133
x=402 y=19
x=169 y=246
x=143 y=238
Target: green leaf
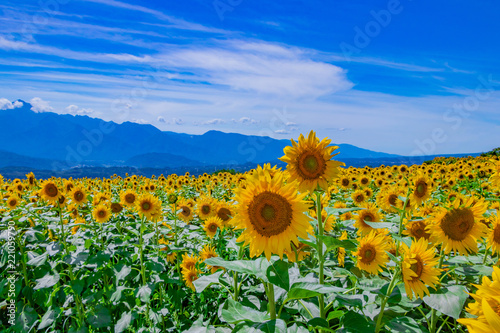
x=449 y=301
x=99 y=317
x=123 y=322
x=356 y=323
x=394 y=297
x=47 y=281
x=38 y=260
x=144 y=293
x=117 y=294
x=303 y=290
x=277 y=274
x=121 y=271
x=406 y=325
x=318 y=323
x=271 y=326
x=234 y=312
x=203 y=282
x=48 y=318
x=257 y=267
x=339 y=211
x=380 y=225
x=333 y=243
x=335 y=314
x=297 y=329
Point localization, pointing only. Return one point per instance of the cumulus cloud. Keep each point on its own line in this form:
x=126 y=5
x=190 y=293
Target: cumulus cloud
x=160 y=119
x=39 y=105
x=281 y=131
x=140 y=121
x=245 y=120
x=5 y=104
x=217 y=121
x=75 y=110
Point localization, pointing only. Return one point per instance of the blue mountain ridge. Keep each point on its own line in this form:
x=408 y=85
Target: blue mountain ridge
x=71 y=141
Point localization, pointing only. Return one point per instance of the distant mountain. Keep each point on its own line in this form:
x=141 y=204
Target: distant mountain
x=69 y=141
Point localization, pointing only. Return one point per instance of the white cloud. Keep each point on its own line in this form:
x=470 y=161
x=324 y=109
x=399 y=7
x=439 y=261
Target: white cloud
x=39 y=105
x=139 y=121
x=245 y=120
x=217 y=121
x=5 y=104
x=18 y=104
x=160 y=119
x=281 y=131
x=177 y=121
x=75 y=110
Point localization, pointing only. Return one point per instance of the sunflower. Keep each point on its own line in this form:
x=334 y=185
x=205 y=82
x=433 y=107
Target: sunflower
x=171 y=257
x=224 y=212
x=358 y=197
x=371 y=252
x=190 y=275
x=101 y=213
x=116 y=207
x=344 y=182
x=387 y=199
x=309 y=162
x=206 y=208
x=149 y=206
x=458 y=228
x=211 y=225
x=417 y=229
x=189 y=262
x=422 y=189
x=494 y=236
x=370 y=213
x=49 y=191
x=128 y=198
x=78 y=196
x=31 y=179
x=209 y=252
x=486 y=306
x=271 y=214
x=186 y=211
x=13 y=201
x=420 y=269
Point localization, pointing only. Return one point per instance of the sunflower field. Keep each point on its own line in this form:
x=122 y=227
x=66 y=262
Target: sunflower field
x=316 y=247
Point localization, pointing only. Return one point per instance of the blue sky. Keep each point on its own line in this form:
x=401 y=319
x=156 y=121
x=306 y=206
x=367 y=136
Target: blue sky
x=404 y=77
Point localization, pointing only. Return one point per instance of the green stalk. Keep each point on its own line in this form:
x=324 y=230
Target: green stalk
x=143 y=268
x=395 y=278
x=432 y=328
x=319 y=242
x=175 y=223
x=272 y=304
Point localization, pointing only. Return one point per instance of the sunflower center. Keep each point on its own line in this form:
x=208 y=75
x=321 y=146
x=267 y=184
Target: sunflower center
x=270 y=213
x=345 y=182
x=224 y=214
x=101 y=213
x=457 y=223
x=311 y=165
x=368 y=217
x=421 y=189
x=186 y=211
x=78 y=196
x=205 y=209
x=392 y=199
x=360 y=198
x=130 y=198
x=368 y=254
x=496 y=234
x=146 y=205
x=212 y=227
x=51 y=190
x=417 y=267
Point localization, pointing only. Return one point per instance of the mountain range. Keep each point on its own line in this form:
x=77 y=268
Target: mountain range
x=54 y=141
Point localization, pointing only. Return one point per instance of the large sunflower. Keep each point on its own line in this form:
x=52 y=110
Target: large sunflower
x=309 y=162
x=128 y=198
x=486 y=306
x=459 y=228
x=271 y=214
x=101 y=213
x=422 y=189
x=370 y=213
x=420 y=269
x=206 y=208
x=49 y=191
x=148 y=205
x=189 y=262
x=371 y=252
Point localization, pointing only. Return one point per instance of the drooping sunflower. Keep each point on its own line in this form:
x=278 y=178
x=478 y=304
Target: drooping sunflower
x=149 y=206
x=211 y=225
x=31 y=179
x=420 y=269
x=494 y=236
x=101 y=213
x=370 y=213
x=78 y=196
x=49 y=191
x=190 y=275
x=209 y=252
x=206 y=208
x=341 y=250
x=309 y=162
x=271 y=214
x=371 y=253
x=486 y=306
x=458 y=228
x=298 y=252
x=128 y=198
x=171 y=257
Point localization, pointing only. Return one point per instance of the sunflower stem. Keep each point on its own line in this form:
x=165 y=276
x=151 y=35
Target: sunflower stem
x=143 y=268
x=102 y=236
x=319 y=242
x=392 y=284
x=175 y=223
x=432 y=328
x=272 y=305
